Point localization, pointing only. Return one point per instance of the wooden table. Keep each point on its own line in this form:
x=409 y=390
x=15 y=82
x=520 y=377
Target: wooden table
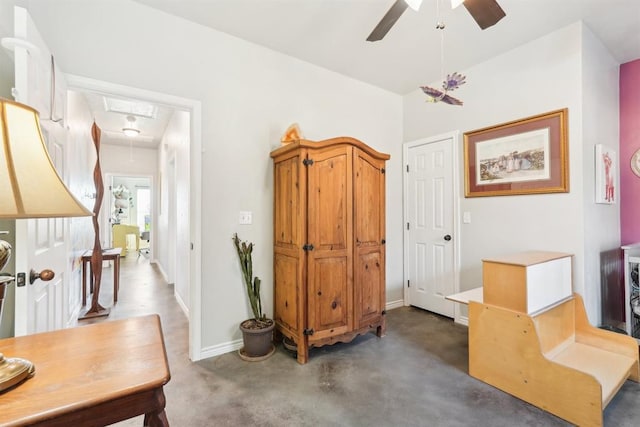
x=107 y=255
x=92 y=375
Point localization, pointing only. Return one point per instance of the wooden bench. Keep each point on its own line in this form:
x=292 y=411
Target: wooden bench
x=553 y=359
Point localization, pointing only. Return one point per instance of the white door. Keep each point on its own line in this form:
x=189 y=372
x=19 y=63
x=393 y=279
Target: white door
x=429 y=224
x=40 y=244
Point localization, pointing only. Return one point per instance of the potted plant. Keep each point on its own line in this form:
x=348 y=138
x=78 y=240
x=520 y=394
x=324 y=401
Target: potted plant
x=257 y=332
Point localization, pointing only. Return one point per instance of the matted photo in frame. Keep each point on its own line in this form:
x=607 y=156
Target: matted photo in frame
x=606 y=172
x=527 y=156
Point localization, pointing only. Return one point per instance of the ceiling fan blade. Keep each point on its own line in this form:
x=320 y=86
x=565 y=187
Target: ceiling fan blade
x=485 y=12
x=387 y=21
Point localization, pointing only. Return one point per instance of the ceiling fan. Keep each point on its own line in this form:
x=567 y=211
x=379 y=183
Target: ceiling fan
x=485 y=12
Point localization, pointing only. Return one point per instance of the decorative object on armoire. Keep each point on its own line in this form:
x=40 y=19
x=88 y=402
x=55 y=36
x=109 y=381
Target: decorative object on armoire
x=526 y=156
x=293 y=133
x=606 y=171
x=257 y=332
x=329 y=242
x=635 y=162
x=24 y=160
x=96 y=310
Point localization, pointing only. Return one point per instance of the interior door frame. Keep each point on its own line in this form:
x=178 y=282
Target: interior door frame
x=194 y=108
x=454 y=136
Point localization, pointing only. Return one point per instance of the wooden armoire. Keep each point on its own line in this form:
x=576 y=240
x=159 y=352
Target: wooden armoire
x=329 y=241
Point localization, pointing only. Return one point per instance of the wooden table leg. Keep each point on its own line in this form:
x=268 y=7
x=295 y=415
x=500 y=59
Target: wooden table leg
x=84 y=283
x=157 y=418
x=116 y=278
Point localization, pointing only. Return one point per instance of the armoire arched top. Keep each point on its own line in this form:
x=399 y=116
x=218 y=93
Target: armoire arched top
x=305 y=143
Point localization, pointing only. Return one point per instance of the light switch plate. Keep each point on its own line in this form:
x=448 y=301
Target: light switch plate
x=466 y=217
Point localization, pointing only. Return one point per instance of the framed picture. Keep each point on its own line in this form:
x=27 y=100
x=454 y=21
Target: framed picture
x=606 y=172
x=527 y=156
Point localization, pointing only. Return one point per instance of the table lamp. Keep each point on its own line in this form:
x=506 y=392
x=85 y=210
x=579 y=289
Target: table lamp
x=31 y=188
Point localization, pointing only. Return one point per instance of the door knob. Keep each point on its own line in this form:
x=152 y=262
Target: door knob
x=44 y=275
x=447 y=237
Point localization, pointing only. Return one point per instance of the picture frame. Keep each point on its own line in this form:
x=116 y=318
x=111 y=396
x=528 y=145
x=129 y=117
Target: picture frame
x=526 y=156
x=606 y=166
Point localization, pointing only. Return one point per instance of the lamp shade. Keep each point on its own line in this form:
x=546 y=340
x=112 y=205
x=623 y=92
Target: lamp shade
x=30 y=186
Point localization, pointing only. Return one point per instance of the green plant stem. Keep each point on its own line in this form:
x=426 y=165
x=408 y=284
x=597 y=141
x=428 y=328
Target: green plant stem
x=252 y=284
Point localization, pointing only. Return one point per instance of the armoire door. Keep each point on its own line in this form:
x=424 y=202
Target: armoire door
x=330 y=241
x=289 y=237
x=369 y=223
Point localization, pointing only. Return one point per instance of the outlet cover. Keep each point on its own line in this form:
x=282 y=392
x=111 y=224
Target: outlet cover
x=245 y=217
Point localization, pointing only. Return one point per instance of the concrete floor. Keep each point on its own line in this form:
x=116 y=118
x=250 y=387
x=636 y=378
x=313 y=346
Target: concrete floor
x=415 y=376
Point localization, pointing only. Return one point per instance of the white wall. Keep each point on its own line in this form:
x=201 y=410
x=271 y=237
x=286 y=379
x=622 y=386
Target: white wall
x=600 y=107
x=173 y=232
x=540 y=76
x=249 y=95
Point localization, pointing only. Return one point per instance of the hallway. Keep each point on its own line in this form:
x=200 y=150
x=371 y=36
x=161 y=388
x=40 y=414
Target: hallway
x=414 y=376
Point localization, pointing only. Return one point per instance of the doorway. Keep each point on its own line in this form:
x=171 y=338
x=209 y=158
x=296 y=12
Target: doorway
x=130 y=202
x=190 y=233
x=431 y=229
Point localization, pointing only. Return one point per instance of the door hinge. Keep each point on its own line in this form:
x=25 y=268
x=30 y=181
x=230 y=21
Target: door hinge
x=408 y=283
x=307 y=162
x=384 y=312
x=407 y=168
x=383 y=241
x=308 y=331
x=307 y=247
x=382 y=170
x=407 y=226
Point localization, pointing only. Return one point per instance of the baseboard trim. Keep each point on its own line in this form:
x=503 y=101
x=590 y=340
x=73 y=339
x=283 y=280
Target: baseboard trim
x=462 y=320
x=181 y=303
x=220 y=349
x=159 y=266
x=394 y=304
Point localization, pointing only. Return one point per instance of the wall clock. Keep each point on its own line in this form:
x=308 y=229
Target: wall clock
x=635 y=162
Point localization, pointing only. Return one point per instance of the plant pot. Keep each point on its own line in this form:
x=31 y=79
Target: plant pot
x=257 y=340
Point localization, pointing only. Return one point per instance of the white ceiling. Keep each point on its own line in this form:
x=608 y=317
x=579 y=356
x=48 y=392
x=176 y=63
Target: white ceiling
x=111 y=123
x=332 y=33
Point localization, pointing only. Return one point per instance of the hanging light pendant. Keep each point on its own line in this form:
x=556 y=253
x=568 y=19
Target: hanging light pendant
x=130 y=129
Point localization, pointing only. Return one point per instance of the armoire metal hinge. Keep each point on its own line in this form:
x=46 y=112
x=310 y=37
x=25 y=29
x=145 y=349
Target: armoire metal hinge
x=307 y=247
x=307 y=162
x=308 y=331
x=384 y=312
x=382 y=170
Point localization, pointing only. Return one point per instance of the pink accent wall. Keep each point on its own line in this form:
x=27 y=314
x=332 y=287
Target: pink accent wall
x=629 y=143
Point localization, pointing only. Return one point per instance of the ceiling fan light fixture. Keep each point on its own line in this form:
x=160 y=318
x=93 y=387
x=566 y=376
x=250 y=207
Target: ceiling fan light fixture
x=414 y=4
